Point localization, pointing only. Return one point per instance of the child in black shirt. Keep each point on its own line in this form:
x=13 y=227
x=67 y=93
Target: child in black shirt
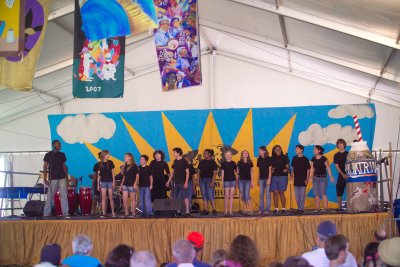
x=180 y=174
x=300 y=175
x=145 y=183
x=130 y=175
x=340 y=159
x=246 y=180
x=229 y=180
x=106 y=181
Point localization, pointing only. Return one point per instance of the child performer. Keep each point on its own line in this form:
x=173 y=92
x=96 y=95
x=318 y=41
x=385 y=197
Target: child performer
x=106 y=182
x=229 y=180
x=130 y=175
x=145 y=183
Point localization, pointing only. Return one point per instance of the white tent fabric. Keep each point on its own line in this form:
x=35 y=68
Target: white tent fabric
x=349 y=45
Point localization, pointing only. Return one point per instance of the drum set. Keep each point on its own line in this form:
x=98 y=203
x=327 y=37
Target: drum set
x=80 y=201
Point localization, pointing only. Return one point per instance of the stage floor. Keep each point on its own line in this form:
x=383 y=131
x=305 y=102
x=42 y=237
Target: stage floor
x=277 y=237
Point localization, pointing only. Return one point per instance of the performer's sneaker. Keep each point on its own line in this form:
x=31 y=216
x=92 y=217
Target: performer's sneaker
x=204 y=212
x=275 y=212
x=316 y=211
x=214 y=212
x=324 y=211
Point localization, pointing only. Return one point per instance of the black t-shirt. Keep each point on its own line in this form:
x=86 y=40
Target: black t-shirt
x=279 y=165
x=229 y=169
x=207 y=168
x=192 y=171
x=319 y=166
x=245 y=170
x=130 y=175
x=158 y=168
x=144 y=176
x=340 y=159
x=56 y=160
x=300 y=167
x=119 y=177
x=105 y=170
x=263 y=165
x=180 y=167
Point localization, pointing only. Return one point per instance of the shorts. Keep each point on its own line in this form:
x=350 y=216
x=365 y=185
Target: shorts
x=207 y=192
x=340 y=186
x=320 y=184
x=130 y=189
x=181 y=193
x=106 y=185
x=229 y=184
x=278 y=183
x=244 y=187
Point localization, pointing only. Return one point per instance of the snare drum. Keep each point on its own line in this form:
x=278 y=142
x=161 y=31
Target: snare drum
x=85 y=200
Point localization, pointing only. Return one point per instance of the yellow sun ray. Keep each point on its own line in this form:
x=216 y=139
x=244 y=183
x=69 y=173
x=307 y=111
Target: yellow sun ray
x=283 y=137
x=211 y=136
x=95 y=151
x=173 y=137
x=244 y=139
x=142 y=145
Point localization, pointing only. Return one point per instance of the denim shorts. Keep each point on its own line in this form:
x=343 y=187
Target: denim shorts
x=207 y=192
x=181 y=193
x=130 y=189
x=320 y=184
x=278 y=183
x=106 y=185
x=229 y=184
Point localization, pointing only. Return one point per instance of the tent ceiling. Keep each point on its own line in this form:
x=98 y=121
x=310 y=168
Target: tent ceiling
x=350 y=45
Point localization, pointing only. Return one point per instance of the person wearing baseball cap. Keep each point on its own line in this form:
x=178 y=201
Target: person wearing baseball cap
x=389 y=251
x=317 y=257
x=197 y=240
x=50 y=256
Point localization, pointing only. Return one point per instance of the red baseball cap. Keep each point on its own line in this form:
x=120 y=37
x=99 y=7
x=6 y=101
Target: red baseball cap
x=196 y=239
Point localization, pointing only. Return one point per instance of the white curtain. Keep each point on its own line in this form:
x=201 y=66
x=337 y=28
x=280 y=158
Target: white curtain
x=6 y=163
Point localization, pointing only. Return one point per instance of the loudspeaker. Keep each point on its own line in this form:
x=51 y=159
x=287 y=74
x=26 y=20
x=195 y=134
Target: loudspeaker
x=167 y=207
x=34 y=208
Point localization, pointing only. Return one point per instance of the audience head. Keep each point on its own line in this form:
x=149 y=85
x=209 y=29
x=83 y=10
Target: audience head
x=183 y=252
x=119 y=257
x=197 y=240
x=336 y=248
x=51 y=254
x=143 y=259
x=371 y=255
x=324 y=230
x=389 y=251
x=380 y=235
x=82 y=245
x=219 y=256
x=244 y=251
x=296 y=261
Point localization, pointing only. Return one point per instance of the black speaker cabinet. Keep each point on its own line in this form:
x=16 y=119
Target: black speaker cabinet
x=167 y=207
x=34 y=208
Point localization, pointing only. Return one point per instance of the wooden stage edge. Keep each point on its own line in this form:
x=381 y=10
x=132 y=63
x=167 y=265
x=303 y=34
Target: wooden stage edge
x=277 y=237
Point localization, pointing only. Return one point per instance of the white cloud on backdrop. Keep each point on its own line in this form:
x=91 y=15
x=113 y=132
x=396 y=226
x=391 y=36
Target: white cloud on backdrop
x=81 y=128
x=341 y=111
x=316 y=135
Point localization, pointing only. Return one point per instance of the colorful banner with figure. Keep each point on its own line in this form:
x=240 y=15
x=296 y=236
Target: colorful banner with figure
x=115 y=18
x=17 y=72
x=177 y=43
x=12 y=28
x=98 y=65
x=83 y=136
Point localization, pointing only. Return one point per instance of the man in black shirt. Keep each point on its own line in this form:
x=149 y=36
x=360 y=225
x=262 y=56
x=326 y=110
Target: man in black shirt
x=301 y=175
x=55 y=175
x=340 y=162
x=180 y=173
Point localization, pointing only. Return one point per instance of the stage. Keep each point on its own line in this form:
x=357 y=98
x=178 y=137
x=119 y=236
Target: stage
x=276 y=236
